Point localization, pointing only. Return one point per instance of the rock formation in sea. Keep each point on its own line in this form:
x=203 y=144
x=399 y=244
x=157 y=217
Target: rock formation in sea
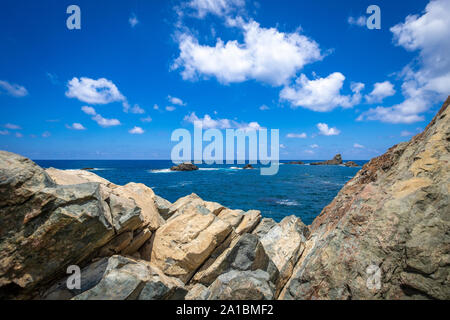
x=351 y=164
x=335 y=161
x=386 y=235
x=296 y=162
x=186 y=166
x=248 y=166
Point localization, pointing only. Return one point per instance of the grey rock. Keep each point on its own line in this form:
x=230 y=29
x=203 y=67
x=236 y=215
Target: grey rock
x=242 y=285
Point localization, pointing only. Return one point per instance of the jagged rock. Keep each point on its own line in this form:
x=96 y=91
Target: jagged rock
x=125 y=278
x=351 y=164
x=69 y=177
x=248 y=166
x=264 y=227
x=181 y=245
x=178 y=205
x=296 y=162
x=244 y=253
x=386 y=234
x=144 y=198
x=197 y=292
x=335 y=161
x=186 y=166
x=249 y=222
x=162 y=205
x=242 y=285
x=45 y=227
x=116 y=245
x=284 y=243
x=137 y=242
x=126 y=216
x=232 y=217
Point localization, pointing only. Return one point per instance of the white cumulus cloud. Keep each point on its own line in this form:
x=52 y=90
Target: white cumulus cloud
x=358 y=146
x=209 y=123
x=426 y=80
x=321 y=94
x=380 y=91
x=133 y=20
x=101 y=91
x=136 y=130
x=76 y=126
x=176 y=101
x=326 y=131
x=265 y=55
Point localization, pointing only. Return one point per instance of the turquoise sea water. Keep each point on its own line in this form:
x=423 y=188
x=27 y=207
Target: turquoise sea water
x=300 y=190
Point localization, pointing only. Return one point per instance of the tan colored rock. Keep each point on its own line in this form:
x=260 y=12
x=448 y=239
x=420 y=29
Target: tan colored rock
x=144 y=198
x=162 y=205
x=182 y=244
x=232 y=217
x=70 y=177
x=190 y=200
x=249 y=222
x=214 y=207
x=386 y=234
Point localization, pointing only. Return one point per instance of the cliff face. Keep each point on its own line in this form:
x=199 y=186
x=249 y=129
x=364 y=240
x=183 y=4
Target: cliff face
x=385 y=236
x=387 y=233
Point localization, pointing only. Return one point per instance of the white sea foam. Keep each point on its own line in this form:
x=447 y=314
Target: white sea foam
x=287 y=202
x=161 y=171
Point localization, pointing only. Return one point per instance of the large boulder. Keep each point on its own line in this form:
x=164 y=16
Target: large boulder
x=386 y=234
x=69 y=177
x=244 y=253
x=124 y=278
x=242 y=285
x=284 y=243
x=45 y=226
x=180 y=246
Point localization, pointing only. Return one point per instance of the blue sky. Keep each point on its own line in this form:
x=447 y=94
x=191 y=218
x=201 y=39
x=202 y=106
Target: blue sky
x=137 y=70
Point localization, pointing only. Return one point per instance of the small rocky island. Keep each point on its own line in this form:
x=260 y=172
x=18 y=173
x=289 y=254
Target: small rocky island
x=386 y=235
x=248 y=166
x=296 y=162
x=335 y=161
x=186 y=166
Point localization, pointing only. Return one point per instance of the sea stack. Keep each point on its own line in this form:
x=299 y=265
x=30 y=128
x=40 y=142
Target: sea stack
x=186 y=166
x=335 y=161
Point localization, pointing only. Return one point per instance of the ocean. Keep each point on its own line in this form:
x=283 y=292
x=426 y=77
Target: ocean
x=300 y=190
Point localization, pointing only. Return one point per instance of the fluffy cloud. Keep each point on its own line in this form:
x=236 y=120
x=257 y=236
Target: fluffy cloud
x=13 y=89
x=263 y=107
x=380 y=91
x=209 y=123
x=170 y=108
x=136 y=130
x=296 y=135
x=4 y=132
x=137 y=109
x=322 y=94
x=405 y=133
x=265 y=55
x=133 y=20
x=101 y=91
x=359 y=21
x=216 y=7
x=76 y=126
x=426 y=80
x=102 y=122
x=176 y=101
x=89 y=110
x=358 y=146
x=326 y=131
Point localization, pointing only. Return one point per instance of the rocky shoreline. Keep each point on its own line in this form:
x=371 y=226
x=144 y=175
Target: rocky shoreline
x=390 y=221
